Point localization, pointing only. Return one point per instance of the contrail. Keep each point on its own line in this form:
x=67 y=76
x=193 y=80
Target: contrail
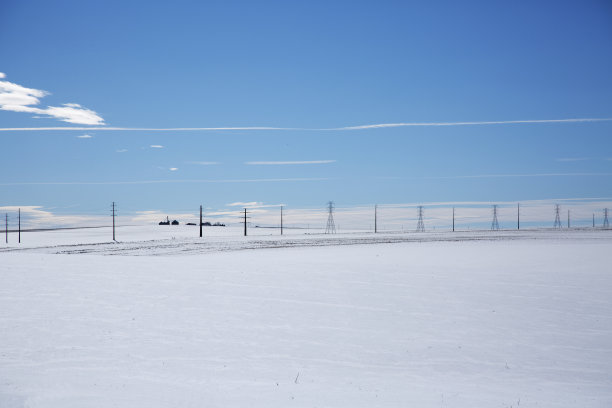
x=94 y=183
x=270 y=128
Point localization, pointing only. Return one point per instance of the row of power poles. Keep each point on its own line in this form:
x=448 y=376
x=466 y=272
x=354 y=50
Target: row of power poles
x=18 y=226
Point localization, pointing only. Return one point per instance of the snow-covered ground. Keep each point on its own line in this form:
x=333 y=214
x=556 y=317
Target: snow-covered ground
x=471 y=319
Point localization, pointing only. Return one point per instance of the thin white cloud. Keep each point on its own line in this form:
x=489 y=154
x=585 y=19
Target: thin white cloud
x=360 y=127
x=96 y=183
x=173 y=168
x=156 y=147
x=273 y=163
x=203 y=163
x=243 y=204
x=121 y=150
x=500 y=122
x=85 y=137
x=17 y=98
x=571 y=159
x=521 y=175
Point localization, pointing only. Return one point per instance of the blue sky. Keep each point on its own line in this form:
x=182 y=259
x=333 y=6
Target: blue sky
x=305 y=66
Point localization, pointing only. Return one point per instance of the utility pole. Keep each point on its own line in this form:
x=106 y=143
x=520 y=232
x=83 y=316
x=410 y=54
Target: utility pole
x=518 y=216
x=606 y=223
x=245 y=222
x=568 y=219
x=375 y=218
x=200 y=221
x=114 y=212
x=6 y=227
x=281 y=220
x=593 y=220
x=19 y=236
x=453 y=219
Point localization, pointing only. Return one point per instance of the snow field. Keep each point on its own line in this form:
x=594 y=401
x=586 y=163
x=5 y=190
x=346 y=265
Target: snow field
x=430 y=324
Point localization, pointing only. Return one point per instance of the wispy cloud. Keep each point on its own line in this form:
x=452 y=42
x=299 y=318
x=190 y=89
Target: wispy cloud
x=121 y=150
x=243 y=204
x=85 y=137
x=96 y=183
x=499 y=122
x=571 y=159
x=17 y=98
x=359 y=127
x=475 y=176
x=156 y=147
x=173 y=168
x=273 y=163
x=203 y=163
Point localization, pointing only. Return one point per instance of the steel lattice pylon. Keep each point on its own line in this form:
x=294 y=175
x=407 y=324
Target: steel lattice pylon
x=420 y=224
x=557 y=217
x=494 y=223
x=331 y=226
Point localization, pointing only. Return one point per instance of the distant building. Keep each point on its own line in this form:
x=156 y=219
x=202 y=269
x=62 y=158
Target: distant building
x=175 y=222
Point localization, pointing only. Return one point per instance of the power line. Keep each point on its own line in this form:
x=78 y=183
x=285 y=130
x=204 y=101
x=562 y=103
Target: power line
x=420 y=224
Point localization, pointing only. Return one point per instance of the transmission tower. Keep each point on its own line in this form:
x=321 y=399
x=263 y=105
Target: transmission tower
x=557 y=217
x=494 y=223
x=606 y=223
x=331 y=226
x=420 y=224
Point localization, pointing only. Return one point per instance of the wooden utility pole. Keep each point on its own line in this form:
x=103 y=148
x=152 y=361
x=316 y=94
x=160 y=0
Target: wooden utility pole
x=19 y=236
x=568 y=219
x=6 y=227
x=518 y=216
x=281 y=220
x=593 y=220
x=245 y=222
x=453 y=219
x=114 y=221
x=200 y=221
x=375 y=218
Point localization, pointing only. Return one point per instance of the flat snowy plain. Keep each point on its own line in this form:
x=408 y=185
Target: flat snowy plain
x=466 y=319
